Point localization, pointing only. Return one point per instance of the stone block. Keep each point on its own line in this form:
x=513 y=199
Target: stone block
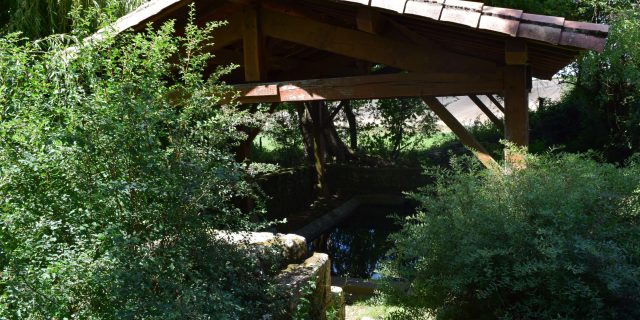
x=308 y=283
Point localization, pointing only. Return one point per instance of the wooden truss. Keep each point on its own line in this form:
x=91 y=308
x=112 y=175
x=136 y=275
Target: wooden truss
x=309 y=50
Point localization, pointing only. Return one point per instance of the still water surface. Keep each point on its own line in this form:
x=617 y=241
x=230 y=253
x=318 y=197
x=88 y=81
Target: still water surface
x=359 y=244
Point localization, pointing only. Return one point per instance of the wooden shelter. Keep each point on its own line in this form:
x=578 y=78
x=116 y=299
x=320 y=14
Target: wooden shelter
x=306 y=50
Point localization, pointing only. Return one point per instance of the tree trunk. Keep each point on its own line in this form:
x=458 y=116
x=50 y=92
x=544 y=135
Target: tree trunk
x=244 y=149
x=321 y=139
x=306 y=130
x=353 y=126
x=322 y=118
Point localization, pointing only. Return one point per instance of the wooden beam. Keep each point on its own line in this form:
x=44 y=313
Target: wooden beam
x=496 y=102
x=368 y=20
x=371 y=87
x=412 y=35
x=516 y=52
x=487 y=111
x=330 y=66
x=369 y=47
x=461 y=132
x=253 y=45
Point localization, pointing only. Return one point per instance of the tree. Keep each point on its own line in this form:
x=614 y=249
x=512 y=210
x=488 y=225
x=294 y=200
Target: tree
x=40 y=18
x=115 y=168
x=557 y=240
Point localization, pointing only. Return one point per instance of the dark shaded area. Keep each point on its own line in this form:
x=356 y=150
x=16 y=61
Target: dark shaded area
x=359 y=244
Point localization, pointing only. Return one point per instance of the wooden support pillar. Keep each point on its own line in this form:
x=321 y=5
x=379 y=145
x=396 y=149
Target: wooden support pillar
x=461 y=132
x=253 y=45
x=487 y=111
x=516 y=99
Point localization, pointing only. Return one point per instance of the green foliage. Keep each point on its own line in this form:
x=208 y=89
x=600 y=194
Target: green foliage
x=304 y=306
x=39 y=18
x=114 y=169
x=280 y=141
x=558 y=240
x=403 y=126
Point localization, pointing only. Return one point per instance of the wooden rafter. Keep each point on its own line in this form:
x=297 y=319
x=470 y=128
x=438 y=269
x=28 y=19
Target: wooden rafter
x=371 y=87
x=496 y=102
x=368 y=20
x=461 y=132
x=369 y=47
x=487 y=111
x=253 y=45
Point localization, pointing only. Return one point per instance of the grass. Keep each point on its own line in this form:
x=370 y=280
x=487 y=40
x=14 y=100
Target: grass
x=268 y=150
x=372 y=308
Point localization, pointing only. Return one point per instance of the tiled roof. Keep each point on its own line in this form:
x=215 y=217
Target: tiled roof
x=463 y=27
x=515 y=23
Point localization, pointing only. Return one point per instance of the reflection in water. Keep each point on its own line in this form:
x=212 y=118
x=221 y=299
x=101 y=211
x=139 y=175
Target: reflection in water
x=360 y=243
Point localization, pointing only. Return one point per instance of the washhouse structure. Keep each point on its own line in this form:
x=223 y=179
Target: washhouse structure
x=309 y=50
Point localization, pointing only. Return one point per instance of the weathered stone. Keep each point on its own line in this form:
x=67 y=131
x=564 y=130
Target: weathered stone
x=336 y=306
x=289 y=247
x=297 y=280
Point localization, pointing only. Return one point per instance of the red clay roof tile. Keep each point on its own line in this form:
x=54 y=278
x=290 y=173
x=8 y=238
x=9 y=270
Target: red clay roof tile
x=500 y=20
x=431 y=9
x=393 y=5
x=462 y=12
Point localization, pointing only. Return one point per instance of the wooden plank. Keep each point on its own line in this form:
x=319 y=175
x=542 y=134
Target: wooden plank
x=496 y=102
x=229 y=34
x=516 y=52
x=368 y=20
x=374 y=87
x=329 y=67
x=461 y=132
x=267 y=90
x=253 y=46
x=368 y=47
x=487 y=111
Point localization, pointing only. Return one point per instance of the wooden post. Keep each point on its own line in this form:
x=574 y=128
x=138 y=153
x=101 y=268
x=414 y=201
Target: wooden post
x=461 y=132
x=516 y=99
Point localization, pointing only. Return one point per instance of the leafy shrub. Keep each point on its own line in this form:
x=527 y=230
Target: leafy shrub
x=399 y=126
x=558 y=240
x=114 y=168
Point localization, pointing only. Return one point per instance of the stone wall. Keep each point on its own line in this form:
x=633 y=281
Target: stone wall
x=304 y=284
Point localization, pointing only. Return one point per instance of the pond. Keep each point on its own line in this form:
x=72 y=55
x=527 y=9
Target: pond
x=360 y=243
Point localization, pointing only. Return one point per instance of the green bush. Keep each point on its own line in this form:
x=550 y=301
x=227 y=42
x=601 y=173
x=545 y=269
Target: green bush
x=115 y=166
x=558 y=240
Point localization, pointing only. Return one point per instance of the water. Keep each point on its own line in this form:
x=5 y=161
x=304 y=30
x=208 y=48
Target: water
x=359 y=244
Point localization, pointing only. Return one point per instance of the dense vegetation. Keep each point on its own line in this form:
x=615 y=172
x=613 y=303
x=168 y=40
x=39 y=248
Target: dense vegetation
x=114 y=171
x=117 y=162
x=558 y=240
x=39 y=18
